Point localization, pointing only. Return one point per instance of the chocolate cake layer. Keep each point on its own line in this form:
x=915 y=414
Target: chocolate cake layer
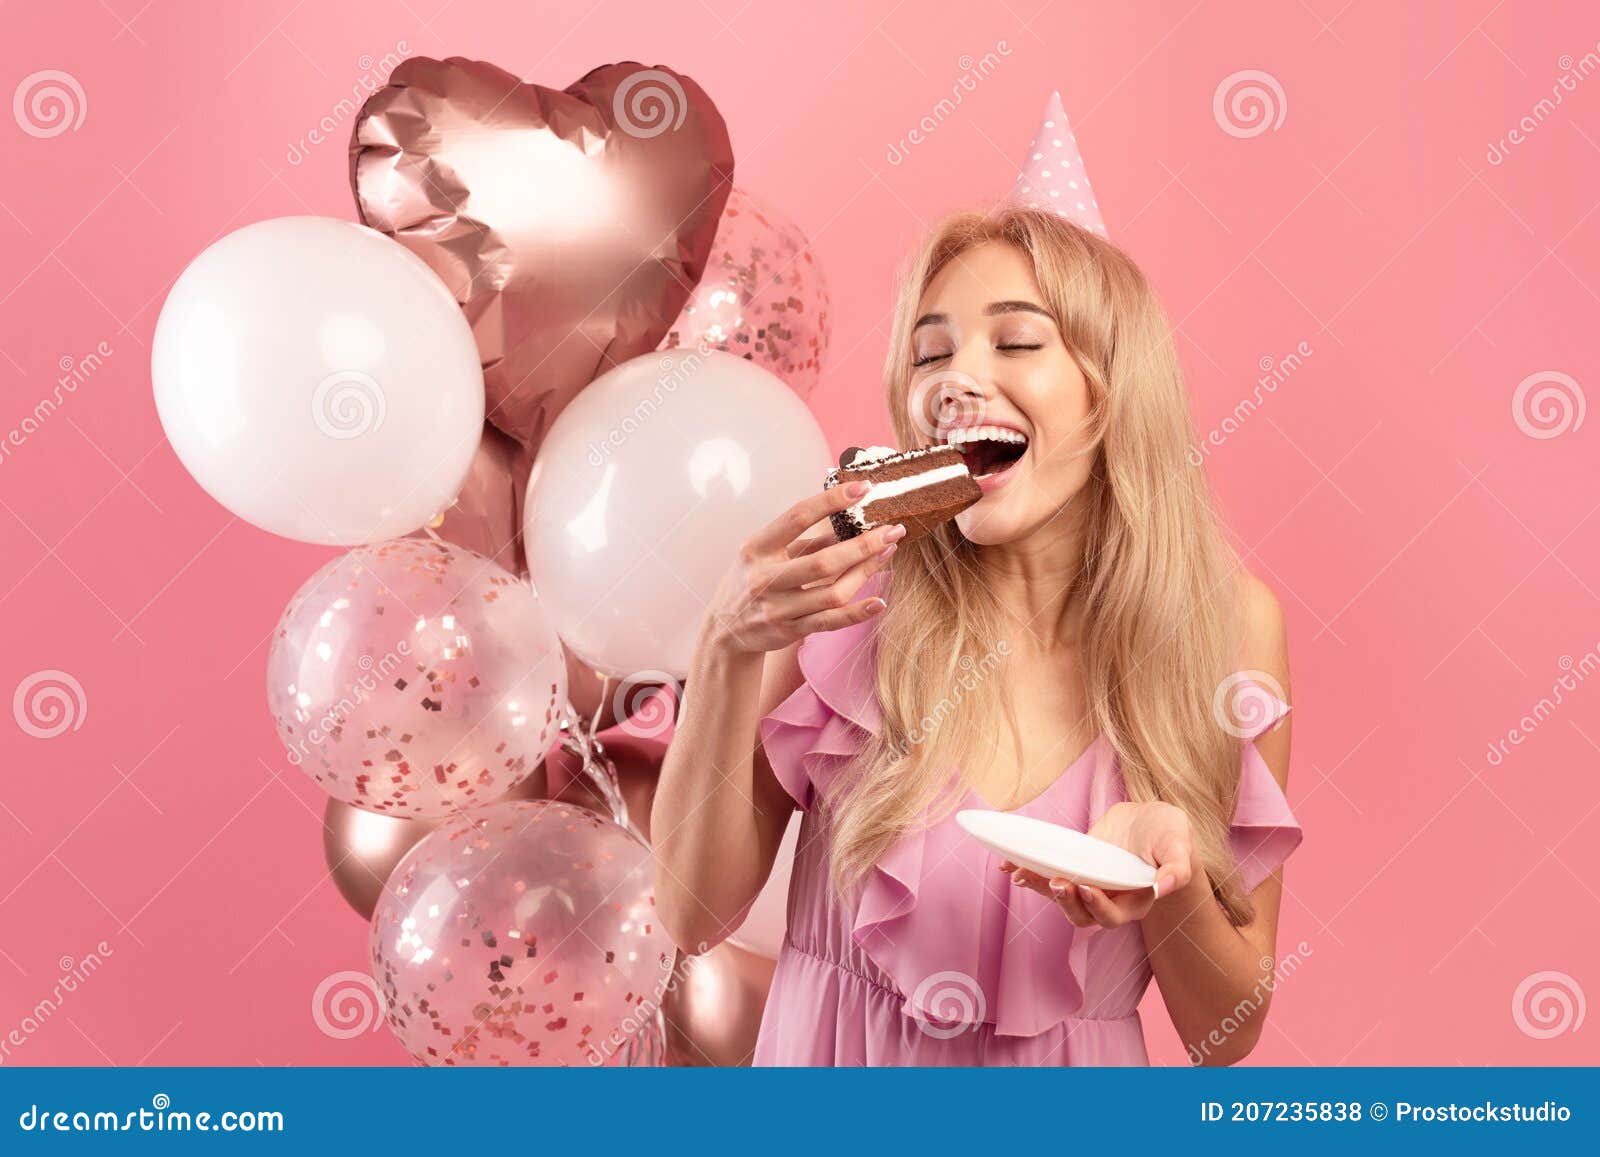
x=919 y=508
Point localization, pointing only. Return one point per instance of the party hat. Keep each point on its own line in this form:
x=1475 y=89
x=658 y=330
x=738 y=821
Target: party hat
x=1053 y=176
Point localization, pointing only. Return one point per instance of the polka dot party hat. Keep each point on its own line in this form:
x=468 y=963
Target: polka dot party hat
x=1052 y=175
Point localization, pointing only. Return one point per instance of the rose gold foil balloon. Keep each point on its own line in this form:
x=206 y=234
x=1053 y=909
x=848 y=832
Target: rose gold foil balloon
x=361 y=848
x=762 y=297
x=486 y=516
x=714 y=1004
x=525 y=934
x=569 y=225
x=415 y=679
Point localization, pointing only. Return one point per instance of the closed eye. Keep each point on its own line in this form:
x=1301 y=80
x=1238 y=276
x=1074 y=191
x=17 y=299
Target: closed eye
x=929 y=359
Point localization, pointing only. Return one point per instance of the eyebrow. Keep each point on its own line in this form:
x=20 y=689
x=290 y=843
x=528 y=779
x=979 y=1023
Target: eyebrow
x=994 y=309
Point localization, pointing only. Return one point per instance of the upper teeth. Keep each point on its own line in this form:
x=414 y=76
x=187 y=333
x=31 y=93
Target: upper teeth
x=966 y=434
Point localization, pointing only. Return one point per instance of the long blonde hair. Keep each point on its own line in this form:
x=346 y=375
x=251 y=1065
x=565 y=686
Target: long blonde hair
x=1158 y=580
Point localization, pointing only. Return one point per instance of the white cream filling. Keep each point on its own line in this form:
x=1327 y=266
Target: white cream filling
x=898 y=486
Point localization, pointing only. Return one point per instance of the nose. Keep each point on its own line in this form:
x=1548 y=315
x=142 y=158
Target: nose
x=960 y=395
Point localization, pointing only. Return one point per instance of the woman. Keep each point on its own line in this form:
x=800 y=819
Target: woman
x=1081 y=645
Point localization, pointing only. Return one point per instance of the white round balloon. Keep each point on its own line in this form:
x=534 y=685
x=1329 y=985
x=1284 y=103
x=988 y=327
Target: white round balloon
x=642 y=492
x=319 y=380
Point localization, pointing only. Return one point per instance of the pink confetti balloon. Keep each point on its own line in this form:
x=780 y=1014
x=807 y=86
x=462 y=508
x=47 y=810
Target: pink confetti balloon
x=762 y=297
x=524 y=934
x=414 y=678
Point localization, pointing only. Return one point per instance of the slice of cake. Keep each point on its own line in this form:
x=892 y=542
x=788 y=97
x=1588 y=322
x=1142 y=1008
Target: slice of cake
x=917 y=488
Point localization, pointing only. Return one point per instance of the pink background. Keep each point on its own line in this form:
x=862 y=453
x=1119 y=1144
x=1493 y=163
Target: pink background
x=1438 y=565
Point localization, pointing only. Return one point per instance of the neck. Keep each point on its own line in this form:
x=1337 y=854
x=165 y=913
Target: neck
x=1033 y=579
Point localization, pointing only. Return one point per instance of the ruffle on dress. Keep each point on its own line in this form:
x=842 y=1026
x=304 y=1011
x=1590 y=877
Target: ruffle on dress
x=915 y=913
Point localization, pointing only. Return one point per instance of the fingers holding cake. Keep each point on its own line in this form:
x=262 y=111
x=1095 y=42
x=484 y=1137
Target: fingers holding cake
x=829 y=579
x=783 y=535
x=783 y=586
x=827 y=562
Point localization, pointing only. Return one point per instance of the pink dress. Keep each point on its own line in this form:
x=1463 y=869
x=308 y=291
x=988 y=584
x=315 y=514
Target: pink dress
x=943 y=961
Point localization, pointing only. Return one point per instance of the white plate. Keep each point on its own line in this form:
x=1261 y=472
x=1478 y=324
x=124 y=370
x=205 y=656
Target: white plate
x=1052 y=850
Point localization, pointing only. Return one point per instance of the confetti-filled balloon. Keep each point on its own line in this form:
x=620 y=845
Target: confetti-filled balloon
x=525 y=934
x=762 y=297
x=361 y=848
x=415 y=679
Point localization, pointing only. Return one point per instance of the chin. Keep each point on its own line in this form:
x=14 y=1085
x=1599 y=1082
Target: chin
x=989 y=527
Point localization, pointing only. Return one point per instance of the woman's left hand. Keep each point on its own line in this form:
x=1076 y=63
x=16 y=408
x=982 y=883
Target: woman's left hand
x=1157 y=833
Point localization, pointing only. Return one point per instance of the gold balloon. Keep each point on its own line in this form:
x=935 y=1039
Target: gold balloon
x=361 y=848
x=713 y=1006
x=486 y=516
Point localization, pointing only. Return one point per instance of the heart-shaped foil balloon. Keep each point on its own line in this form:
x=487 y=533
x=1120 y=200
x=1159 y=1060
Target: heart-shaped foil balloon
x=571 y=225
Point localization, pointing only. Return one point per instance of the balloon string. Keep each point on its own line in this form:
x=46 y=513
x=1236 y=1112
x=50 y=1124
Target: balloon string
x=598 y=768
x=605 y=689
x=648 y=1047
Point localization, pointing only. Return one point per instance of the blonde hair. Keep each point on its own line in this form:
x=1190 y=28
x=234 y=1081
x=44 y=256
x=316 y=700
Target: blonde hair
x=1157 y=583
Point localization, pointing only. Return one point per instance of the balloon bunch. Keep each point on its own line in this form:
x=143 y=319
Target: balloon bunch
x=540 y=393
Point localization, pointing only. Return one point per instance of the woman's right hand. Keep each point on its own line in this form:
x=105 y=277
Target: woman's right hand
x=784 y=586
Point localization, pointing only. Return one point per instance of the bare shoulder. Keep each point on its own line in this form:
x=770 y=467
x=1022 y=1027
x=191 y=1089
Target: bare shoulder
x=1266 y=634
x=1265 y=648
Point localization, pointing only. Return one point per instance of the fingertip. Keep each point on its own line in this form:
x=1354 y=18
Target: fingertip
x=875 y=606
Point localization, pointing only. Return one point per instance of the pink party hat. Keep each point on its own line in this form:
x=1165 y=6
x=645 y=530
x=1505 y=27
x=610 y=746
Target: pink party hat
x=1053 y=176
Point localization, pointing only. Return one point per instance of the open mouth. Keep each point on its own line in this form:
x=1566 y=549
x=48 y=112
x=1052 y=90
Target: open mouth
x=988 y=449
